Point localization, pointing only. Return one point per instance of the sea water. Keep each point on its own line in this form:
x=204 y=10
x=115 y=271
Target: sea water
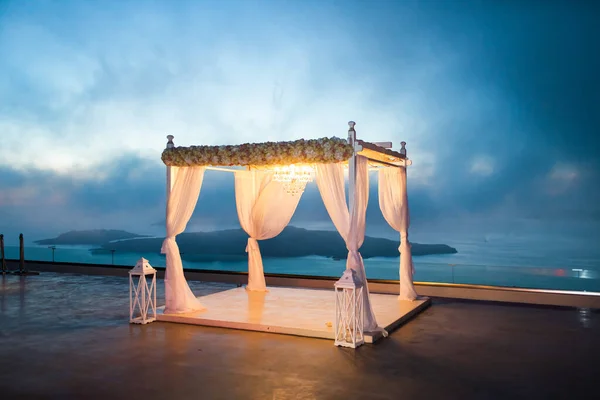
x=514 y=260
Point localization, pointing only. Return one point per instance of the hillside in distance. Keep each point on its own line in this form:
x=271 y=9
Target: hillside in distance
x=91 y=237
x=292 y=242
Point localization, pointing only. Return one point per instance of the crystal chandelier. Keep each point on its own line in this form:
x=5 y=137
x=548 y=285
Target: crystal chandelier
x=293 y=178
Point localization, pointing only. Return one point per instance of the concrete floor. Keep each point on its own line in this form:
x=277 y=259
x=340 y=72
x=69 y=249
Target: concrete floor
x=66 y=336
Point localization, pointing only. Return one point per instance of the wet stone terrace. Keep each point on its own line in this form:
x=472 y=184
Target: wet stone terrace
x=67 y=336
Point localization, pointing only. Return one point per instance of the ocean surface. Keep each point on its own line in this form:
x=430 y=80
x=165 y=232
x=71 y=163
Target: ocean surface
x=526 y=260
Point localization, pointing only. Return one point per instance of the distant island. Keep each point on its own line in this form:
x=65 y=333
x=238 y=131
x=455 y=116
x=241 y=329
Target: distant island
x=231 y=244
x=91 y=237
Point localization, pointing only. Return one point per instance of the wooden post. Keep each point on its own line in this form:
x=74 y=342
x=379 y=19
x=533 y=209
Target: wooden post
x=170 y=145
x=403 y=148
x=351 y=167
x=170 y=182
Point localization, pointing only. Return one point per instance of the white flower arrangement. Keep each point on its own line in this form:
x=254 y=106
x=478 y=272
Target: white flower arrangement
x=313 y=151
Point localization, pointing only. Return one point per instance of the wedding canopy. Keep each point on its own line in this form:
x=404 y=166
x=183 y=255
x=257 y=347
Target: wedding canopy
x=267 y=193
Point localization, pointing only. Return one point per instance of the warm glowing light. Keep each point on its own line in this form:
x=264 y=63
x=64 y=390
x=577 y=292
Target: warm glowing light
x=293 y=178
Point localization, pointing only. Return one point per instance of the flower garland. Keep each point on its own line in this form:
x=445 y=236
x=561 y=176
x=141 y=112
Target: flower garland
x=301 y=151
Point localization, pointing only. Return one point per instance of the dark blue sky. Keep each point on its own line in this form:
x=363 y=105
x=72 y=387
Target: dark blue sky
x=498 y=100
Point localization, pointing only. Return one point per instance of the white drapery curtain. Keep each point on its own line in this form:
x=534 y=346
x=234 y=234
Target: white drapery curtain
x=350 y=224
x=180 y=206
x=264 y=209
x=393 y=202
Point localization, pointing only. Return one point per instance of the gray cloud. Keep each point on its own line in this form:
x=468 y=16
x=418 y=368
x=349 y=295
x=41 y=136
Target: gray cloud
x=497 y=100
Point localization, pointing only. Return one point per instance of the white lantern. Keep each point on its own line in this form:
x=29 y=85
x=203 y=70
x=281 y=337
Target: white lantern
x=142 y=298
x=349 y=315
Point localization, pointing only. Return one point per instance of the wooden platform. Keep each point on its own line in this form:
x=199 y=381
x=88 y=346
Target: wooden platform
x=292 y=311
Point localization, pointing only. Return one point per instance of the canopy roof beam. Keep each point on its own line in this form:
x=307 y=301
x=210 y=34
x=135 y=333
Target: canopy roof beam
x=379 y=154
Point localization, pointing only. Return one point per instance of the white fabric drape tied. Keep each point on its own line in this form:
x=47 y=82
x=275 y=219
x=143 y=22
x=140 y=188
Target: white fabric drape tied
x=406 y=249
x=349 y=223
x=163 y=248
x=354 y=260
x=180 y=206
x=393 y=202
x=252 y=245
x=264 y=210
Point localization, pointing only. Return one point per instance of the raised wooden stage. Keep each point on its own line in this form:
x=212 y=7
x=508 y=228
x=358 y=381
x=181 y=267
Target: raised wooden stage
x=292 y=311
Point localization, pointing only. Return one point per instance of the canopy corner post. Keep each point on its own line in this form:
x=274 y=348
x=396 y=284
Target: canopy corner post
x=170 y=145
x=352 y=165
x=406 y=162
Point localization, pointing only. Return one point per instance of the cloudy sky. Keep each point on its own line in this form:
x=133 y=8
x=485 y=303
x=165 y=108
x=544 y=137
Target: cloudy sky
x=499 y=102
